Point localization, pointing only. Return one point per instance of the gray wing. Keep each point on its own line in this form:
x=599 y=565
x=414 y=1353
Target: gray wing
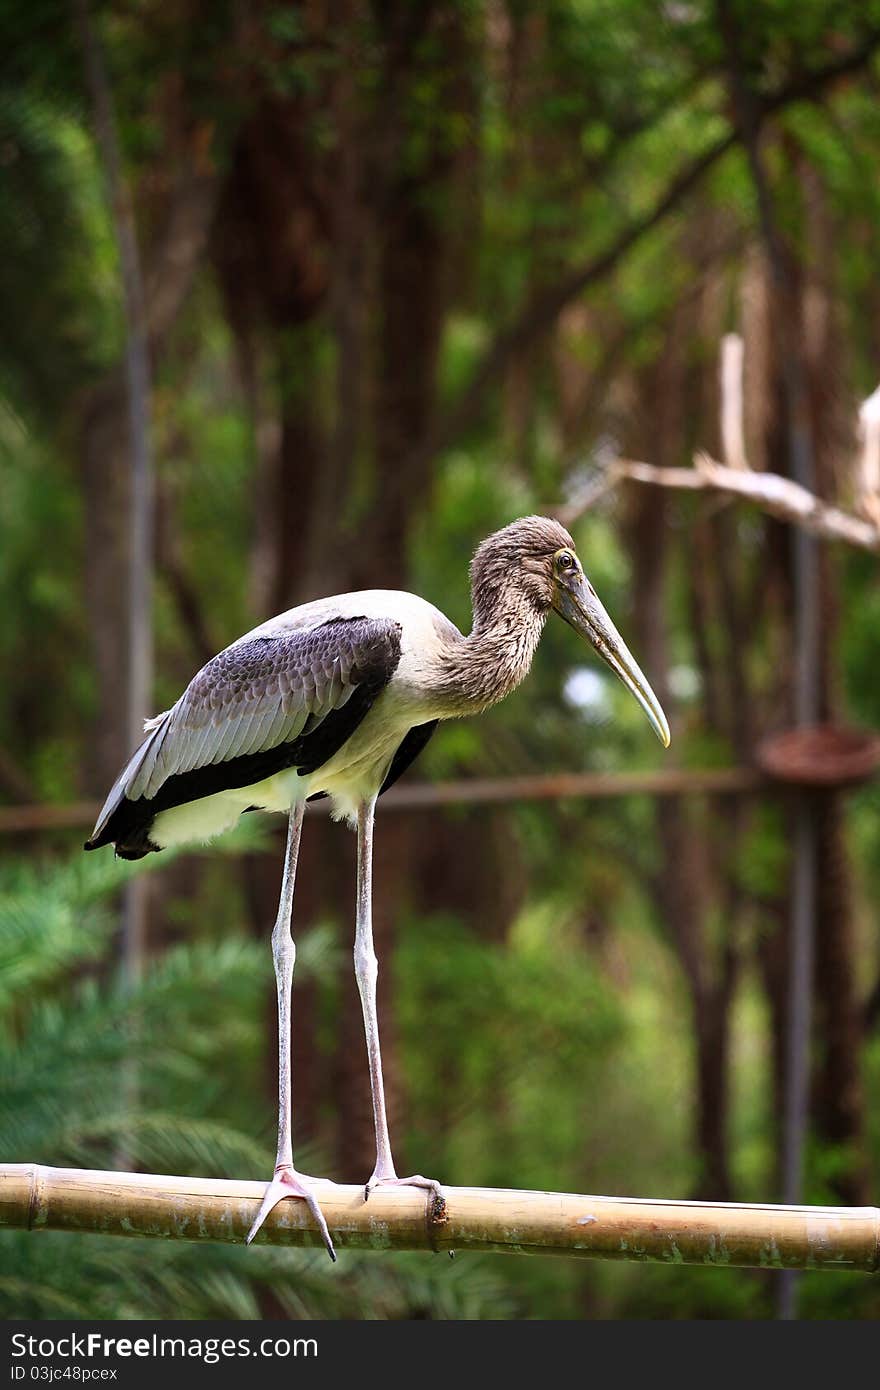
x=287 y=691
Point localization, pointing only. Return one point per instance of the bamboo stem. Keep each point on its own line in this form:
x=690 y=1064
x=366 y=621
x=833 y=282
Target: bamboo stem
x=34 y=1197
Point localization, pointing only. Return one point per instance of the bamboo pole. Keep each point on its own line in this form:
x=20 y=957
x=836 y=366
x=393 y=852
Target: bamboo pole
x=34 y=1197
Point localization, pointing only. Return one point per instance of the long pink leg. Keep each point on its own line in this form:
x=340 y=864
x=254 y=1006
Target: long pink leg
x=287 y=1182
x=366 y=969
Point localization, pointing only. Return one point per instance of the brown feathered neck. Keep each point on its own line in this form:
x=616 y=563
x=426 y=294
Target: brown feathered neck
x=512 y=595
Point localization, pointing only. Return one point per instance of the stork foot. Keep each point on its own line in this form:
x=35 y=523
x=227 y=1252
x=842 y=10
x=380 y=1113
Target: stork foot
x=287 y=1182
x=438 y=1199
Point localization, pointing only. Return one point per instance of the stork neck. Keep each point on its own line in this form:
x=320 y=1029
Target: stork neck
x=484 y=667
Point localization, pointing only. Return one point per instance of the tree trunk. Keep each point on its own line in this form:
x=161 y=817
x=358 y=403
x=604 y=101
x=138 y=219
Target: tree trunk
x=411 y=296
x=685 y=886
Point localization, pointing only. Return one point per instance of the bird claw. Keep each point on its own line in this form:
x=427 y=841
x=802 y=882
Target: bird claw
x=438 y=1202
x=287 y=1182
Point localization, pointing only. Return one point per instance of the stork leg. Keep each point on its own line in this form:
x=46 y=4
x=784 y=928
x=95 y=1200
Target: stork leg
x=366 y=969
x=287 y=1182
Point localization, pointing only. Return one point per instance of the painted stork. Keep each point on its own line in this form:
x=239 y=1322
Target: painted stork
x=336 y=698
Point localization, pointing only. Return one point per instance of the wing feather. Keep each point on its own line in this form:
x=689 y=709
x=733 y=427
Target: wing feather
x=261 y=717
x=218 y=741
x=140 y=772
x=199 y=739
x=275 y=730
x=261 y=693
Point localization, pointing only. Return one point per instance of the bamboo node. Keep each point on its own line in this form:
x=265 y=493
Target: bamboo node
x=438 y=1212
x=37 y=1176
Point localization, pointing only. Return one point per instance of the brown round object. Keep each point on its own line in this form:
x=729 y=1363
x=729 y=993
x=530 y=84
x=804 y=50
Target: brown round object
x=820 y=755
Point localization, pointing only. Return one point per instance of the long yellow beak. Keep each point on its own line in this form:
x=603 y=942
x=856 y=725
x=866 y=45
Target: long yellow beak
x=577 y=603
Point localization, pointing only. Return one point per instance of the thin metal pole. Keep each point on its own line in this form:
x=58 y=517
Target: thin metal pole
x=802 y=944
x=137 y=377
x=475 y=791
x=802 y=465
x=135 y=898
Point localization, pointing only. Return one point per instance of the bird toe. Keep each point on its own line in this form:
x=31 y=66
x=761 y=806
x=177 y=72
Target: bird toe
x=287 y=1182
x=438 y=1214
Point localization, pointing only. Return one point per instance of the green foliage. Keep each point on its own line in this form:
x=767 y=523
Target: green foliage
x=54 y=235
x=193 y=1029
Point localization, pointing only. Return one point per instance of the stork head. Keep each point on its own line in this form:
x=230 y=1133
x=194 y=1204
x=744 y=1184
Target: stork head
x=534 y=561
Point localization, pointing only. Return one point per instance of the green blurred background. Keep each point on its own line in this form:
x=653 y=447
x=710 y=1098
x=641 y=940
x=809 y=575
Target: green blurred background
x=410 y=270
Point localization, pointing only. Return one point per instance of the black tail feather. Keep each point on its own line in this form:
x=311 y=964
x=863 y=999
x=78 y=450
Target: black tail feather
x=128 y=830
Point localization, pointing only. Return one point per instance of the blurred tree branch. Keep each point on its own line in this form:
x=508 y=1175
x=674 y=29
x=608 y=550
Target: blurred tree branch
x=542 y=311
x=778 y=496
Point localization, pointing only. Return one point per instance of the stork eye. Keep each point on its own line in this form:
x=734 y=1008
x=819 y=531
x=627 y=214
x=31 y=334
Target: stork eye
x=566 y=561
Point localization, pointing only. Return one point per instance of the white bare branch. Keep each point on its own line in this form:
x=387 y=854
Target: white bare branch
x=868 y=477
x=731 y=376
x=770 y=492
